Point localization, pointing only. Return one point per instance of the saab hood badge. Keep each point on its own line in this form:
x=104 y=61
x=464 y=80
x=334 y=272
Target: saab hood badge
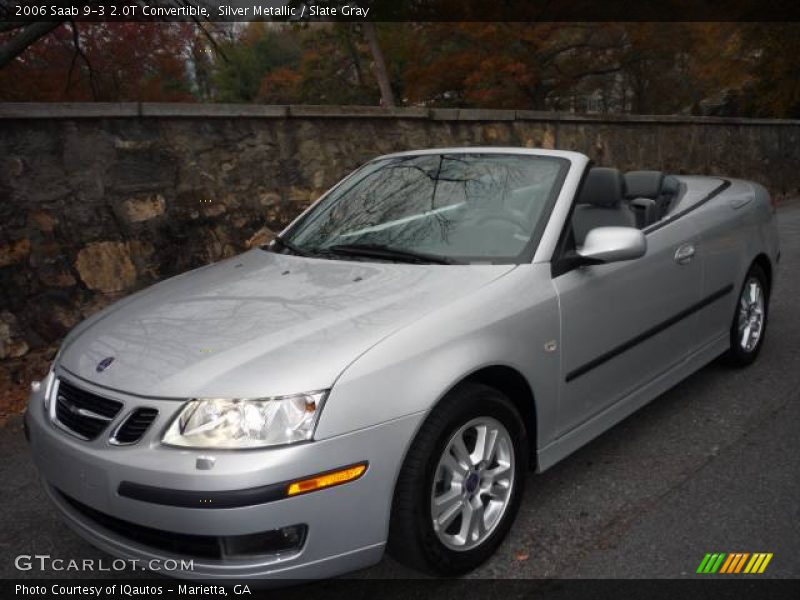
x=104 y=364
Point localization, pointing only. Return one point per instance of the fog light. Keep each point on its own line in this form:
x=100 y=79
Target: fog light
x=285 y=539
x=326 y=480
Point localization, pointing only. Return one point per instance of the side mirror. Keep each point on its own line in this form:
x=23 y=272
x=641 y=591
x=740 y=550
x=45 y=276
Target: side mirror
x=612 y=244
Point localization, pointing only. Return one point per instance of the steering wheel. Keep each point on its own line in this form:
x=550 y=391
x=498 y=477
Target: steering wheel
x=516 y=220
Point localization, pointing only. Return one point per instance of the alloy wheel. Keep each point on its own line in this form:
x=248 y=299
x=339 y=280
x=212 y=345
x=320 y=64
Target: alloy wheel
x=472 y=484
x=750 y=321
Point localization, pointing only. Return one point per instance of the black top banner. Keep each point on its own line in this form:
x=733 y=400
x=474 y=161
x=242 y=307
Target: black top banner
x=400 y=10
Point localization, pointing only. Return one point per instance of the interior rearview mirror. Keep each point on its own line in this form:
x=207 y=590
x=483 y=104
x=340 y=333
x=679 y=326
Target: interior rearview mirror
x=612 y=244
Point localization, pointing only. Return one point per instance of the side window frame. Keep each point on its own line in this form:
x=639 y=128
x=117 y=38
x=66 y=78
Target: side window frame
x=564 y=259
x=724 y=184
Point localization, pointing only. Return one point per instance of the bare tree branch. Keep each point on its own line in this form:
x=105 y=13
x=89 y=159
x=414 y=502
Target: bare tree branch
x=32 y=31
x=76 y=40
x=29 y=35
x=597 y=72
x=206 y=33
x=12 y=25
x=381 y=72
x=71 y=69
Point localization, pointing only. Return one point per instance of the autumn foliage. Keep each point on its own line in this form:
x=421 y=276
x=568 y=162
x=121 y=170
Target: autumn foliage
x=748 y=69
x=103 y=62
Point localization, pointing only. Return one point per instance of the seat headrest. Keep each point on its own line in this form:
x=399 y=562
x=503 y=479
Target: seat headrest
x=670 y=185
x=643 y=184
x=602 y=187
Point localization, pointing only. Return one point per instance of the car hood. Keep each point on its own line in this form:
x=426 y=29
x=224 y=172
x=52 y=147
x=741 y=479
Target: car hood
x=260 y=324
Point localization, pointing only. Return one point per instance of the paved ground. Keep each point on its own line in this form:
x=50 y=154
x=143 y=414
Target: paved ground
x=710 y=466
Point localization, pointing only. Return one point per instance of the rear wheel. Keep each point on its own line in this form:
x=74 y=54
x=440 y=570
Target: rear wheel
x=750 y=319
x=461 y=483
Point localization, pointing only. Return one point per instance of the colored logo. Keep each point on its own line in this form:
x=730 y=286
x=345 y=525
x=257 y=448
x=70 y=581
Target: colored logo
x=104 y=364
x=735 y=562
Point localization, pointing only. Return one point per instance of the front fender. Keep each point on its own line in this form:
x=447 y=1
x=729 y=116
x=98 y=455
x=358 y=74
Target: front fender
x=508 y=322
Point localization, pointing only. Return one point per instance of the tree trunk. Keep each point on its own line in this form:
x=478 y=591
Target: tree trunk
x=379 y=65
x=353 y=51
x=17 y=45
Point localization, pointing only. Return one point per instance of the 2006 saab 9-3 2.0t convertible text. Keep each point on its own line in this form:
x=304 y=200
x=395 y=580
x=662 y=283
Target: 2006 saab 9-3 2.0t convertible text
x=383 y=374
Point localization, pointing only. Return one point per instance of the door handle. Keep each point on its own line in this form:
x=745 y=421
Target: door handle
x=684 y=254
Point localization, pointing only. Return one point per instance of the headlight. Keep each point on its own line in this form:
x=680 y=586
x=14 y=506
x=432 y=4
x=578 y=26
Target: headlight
x=47 y=382
x=220 y=423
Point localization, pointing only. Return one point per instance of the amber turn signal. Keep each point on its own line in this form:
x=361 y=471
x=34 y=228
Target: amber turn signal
x=326 y=480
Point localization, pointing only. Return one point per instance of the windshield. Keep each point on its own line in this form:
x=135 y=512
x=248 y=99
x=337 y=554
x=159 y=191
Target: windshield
x=441 y=207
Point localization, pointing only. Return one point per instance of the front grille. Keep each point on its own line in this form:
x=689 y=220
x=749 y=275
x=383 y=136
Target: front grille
x=200 y=546
x=82 y=412
x=135 y=426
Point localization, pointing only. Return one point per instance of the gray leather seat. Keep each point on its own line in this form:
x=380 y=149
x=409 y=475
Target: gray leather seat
x=670 y=190
x=643 y=184
x=642 y=189
x=644 y=210
x=600 y=203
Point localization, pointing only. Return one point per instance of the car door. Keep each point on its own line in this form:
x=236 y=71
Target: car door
x=722 y=225
x=623 y=324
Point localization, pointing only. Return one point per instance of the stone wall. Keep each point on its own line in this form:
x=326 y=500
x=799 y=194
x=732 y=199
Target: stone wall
x=98 y=200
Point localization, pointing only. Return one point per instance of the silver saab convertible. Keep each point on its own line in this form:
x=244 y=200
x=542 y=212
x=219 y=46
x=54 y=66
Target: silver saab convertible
x=384 y=373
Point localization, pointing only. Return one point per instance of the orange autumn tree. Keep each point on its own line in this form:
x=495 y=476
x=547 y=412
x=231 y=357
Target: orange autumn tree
x=508 y=65
x=773 y=54
x=280 y=86
x=333 y=68
x=111 y=62
x=746 y=69
x=660 y=68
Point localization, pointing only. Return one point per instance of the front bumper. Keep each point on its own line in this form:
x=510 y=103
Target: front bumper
x=346 y=525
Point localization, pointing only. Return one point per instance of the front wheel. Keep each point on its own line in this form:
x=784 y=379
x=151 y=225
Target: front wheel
x=750 y=319
x=461 y=483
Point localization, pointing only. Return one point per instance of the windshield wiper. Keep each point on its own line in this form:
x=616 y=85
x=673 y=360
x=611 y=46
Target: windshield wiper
x=389 y=253
x=292 y=247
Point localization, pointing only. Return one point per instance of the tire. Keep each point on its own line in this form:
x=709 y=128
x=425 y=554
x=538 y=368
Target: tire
x=426 y=477
x=753 y=310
